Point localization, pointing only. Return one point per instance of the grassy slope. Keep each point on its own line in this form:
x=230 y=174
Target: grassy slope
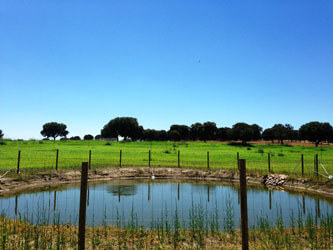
x=193 y=154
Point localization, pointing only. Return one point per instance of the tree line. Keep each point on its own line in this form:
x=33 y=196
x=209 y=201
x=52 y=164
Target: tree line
x=129 y=128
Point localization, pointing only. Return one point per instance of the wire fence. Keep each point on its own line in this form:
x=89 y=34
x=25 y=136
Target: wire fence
x=296 y=163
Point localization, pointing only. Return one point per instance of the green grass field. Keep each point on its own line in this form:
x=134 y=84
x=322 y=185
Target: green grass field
x=42 y=154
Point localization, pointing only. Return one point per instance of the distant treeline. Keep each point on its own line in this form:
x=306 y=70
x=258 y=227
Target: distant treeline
x=129 y=129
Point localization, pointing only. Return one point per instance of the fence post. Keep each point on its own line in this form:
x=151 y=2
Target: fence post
x=244 y=218
x=238 y=160
x=89 y=159
x=208 y=159
x=57 y=158
x=178 y=158
x=18 y=162
x=83 y=205
x=316 y=169
x=269 y=162
x=149 y=157
x=302 y=162
x=120 y=155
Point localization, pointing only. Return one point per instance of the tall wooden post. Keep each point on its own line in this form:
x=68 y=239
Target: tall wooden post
x=83 y=205
x=89 y=159
x=18 y=162
x=243 y=193
x=178 y=158
x=149 y=157
x=302 y=163
x=120 y=155
x=238 y=160
x=57 y=158
x=269 y=162
x=208 y=159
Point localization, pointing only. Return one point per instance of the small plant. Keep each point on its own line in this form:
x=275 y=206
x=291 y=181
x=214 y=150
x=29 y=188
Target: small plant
x=248 y=148
x=280 y=154
x=108 y=144
x=167 y=152
x=2 y=143
x=260 y=151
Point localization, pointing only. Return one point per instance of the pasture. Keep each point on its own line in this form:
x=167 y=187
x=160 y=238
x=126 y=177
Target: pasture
x=42 y=154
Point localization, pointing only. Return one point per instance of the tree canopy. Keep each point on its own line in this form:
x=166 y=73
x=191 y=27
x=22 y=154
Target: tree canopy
x=316 y=132
x=88 y=137
x=243 y=132
x=126 y=127
x=54 y=129
x=1 y=134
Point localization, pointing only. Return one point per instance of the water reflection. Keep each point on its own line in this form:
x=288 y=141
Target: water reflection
x=151 y=200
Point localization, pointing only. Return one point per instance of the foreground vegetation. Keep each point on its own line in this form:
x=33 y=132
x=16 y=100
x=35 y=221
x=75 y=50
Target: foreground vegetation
x=42 y=154
x=314 y=233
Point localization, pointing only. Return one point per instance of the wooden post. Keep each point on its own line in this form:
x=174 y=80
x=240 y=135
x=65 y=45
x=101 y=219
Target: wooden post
x=208 y=159
x=178 y=158
x=57 y=158
x=244 y=218
x=238 y=160
x=89 y=159
x=302 y=162
x=269 y=162
x=18 y=162
x=120 y=155
x=149 y=157
x=83 y=206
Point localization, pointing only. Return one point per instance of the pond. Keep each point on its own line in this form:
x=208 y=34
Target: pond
x=147 y=203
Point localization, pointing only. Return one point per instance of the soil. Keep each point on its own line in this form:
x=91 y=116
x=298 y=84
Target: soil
x=10 y=186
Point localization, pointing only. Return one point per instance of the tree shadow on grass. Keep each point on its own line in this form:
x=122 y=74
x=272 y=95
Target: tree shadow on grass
x=239 y=144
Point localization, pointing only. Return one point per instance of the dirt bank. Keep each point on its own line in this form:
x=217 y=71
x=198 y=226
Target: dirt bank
x=10 y=186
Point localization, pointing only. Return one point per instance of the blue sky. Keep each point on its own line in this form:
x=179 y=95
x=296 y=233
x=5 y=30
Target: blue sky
x=83 y=63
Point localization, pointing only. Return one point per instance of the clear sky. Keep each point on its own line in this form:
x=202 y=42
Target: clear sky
x=84 y=63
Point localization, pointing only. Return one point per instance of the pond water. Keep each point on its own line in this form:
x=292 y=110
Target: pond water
x=145 y=202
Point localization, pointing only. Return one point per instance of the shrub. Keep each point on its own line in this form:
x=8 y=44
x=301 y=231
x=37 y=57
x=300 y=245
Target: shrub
x=88 y=137
x=280 y=154
x=2 y=143
x=75 y=138
x=108 y=144
x=260 y=151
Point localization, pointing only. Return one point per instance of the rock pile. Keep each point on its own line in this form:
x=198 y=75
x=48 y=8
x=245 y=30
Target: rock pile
x=275 y=179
